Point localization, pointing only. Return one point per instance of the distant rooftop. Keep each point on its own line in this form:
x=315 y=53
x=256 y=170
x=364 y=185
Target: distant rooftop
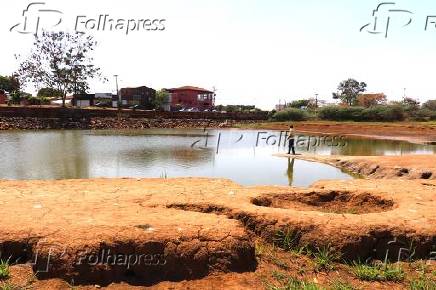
x=191 y=88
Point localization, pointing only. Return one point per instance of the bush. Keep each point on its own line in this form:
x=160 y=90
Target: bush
x=423 y=115
x=291 y=115
x=337 y=113
x=430 y=105
x=361 y=114
x=383 y=114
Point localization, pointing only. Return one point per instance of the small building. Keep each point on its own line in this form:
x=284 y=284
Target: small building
x=103 y=99
x=3 y=97
x=140 y=96
x=83 y=100
x=191 y=97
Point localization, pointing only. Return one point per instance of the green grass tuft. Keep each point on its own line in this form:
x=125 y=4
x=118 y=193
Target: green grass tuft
x=4 y=269
x=289 y=283
x=378 y=272
x=324 y=258
x=422 y=283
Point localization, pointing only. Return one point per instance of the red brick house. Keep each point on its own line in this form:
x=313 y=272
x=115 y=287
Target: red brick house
x=191 y=97
x=140 y=96
x=3 y=97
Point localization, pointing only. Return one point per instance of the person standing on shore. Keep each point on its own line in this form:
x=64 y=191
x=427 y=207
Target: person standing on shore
x=291 y=140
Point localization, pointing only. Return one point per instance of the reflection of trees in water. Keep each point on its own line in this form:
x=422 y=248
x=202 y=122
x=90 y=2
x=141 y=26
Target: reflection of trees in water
x=368 y=147
x=177 y=155
x=76 y=164
x=290 y=171
x=46 y=155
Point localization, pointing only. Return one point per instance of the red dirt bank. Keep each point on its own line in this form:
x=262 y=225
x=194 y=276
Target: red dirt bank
x=201 y=226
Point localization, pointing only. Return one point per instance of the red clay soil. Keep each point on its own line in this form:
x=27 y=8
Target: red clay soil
x=380 y=167
x=191 y=228
x=414 y=132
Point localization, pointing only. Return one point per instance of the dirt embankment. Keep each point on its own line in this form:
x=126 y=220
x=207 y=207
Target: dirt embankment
x=143 y=231
x=110 y=123
x=413 y=132
x=380 y=167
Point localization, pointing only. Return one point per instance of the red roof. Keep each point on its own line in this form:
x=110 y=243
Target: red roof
x=190 y=88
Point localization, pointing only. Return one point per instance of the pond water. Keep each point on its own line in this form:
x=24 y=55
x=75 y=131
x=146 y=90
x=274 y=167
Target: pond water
x=244 y=156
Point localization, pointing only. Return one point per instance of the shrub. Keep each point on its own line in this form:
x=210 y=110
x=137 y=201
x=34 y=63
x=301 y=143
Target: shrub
x=291 y=115
x=423 y=115
x=430 y=105
x=359 y=114
x=383 y=114
x=337 y=113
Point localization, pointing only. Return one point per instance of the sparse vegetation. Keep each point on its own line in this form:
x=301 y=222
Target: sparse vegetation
x=324 y=258
x=291 y=114
x=4 y=270
x=289 y=283
x=423 y=283
x=289 y=240
x=341 y=285
x=378 y=272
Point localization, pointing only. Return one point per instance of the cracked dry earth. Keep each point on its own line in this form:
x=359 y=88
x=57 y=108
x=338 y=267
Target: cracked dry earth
x=191 y=228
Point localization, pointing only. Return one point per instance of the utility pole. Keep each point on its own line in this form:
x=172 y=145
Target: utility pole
x=316 y=100
x=118 y=95
x=404 y=95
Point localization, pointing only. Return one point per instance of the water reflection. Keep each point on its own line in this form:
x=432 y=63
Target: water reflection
x=243 y=156
x=290 y=171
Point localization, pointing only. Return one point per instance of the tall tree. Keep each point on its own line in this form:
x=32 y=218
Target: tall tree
x=349 y=90
x=61 y=61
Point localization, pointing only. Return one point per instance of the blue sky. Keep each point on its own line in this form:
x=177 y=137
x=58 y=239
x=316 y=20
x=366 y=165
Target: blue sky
x=252 y=51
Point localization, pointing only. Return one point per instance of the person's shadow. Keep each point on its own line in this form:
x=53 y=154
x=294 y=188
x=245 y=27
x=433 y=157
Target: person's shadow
x=290 y=171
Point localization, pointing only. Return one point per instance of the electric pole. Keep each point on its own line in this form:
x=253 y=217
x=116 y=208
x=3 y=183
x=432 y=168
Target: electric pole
x=118 y=95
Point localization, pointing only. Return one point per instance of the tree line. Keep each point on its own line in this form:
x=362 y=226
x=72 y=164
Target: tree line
x=355 y=105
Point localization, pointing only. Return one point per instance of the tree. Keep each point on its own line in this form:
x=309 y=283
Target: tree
x=49 y=92
x=9 y=84
x=371 y=100
x=162 y=98
x=410 y=103
x=430 y=105
x=61 y=61
x=348 y=91
x=298 y=104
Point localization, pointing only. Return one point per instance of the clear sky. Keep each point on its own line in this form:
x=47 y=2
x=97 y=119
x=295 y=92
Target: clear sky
x=251 y=51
